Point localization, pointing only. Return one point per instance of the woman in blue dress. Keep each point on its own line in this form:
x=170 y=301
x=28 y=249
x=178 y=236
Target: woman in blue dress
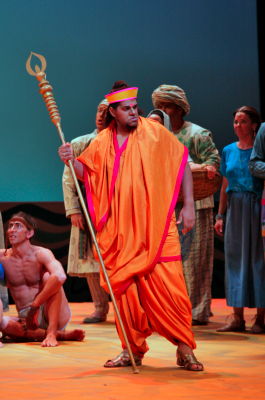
x=241 y=197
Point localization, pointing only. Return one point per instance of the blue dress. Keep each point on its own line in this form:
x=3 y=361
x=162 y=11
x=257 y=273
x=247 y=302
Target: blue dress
x=244 y=261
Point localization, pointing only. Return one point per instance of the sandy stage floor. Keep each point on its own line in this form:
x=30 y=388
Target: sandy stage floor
x=234 y=365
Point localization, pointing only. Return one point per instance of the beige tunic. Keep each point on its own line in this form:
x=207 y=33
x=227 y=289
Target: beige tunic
x=77 y=266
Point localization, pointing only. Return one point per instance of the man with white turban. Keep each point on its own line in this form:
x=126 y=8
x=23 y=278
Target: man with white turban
x=199 y=265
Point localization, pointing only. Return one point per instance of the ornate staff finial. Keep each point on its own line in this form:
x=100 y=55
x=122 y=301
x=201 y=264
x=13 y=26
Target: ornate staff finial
x=45 y=87
x=37 y=68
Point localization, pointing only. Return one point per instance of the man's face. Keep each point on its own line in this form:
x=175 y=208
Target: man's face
x=101 y=116
x=17 y=232
x=126 y=114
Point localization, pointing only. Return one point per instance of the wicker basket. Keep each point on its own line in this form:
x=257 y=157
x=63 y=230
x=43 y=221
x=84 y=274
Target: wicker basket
x=202 y=185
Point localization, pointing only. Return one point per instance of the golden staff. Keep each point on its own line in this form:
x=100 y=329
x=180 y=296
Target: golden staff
x=46 y=92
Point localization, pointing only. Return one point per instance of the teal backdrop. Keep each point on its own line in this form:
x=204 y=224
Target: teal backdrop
x=208 y=47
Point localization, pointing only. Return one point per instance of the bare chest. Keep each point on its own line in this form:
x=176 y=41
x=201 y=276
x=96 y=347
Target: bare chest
x=27 y=271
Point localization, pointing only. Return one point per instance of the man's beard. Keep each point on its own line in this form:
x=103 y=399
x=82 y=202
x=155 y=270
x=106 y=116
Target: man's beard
x=130 y=127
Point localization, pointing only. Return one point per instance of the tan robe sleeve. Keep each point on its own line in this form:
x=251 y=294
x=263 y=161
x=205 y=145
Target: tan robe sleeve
x=71 y=201
x=76 y=266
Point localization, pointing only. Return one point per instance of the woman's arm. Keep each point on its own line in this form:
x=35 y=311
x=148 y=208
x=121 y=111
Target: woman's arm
x=219 y=224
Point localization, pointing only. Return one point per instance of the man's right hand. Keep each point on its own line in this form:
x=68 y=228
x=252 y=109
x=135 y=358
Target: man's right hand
x=78 y=221
x=66 y=153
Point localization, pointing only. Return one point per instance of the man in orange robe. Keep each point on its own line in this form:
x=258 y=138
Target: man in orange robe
x=133 y=172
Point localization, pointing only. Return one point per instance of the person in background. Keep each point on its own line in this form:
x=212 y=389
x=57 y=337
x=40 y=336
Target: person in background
x=257 y=168
x=35 y=279
x=81 y=261
x=198 y=265
x=161 y=117
x=240 y=198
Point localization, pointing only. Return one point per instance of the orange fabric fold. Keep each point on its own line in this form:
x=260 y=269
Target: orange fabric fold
x=158 y=303
x=131 y=195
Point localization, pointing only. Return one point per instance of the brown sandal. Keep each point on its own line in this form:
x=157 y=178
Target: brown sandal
x=188 y=361
x=234 y=324
x=258 y=326
x=123 y=360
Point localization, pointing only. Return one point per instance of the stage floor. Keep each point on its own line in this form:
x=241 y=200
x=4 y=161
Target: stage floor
x=234 y=365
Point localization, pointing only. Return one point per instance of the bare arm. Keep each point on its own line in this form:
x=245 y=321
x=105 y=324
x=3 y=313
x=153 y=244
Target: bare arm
x=2 y=253
x=66 y=154
x=219 y=224
x=187 y=214
x=55 y=280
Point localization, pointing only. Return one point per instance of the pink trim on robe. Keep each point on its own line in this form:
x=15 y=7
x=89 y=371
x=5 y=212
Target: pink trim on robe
x=169 y=258
x=116 y=166
x=172 y=205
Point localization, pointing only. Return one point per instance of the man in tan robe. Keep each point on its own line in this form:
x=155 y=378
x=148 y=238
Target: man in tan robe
x=81 y=261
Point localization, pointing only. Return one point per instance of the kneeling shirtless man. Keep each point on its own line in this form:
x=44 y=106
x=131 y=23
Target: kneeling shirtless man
x=34 y=278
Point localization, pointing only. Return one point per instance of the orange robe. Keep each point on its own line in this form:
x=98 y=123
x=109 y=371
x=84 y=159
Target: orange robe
x=131 y=195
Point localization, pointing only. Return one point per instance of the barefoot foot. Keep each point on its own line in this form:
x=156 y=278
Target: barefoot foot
x=76 y=335
x=50 y=341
